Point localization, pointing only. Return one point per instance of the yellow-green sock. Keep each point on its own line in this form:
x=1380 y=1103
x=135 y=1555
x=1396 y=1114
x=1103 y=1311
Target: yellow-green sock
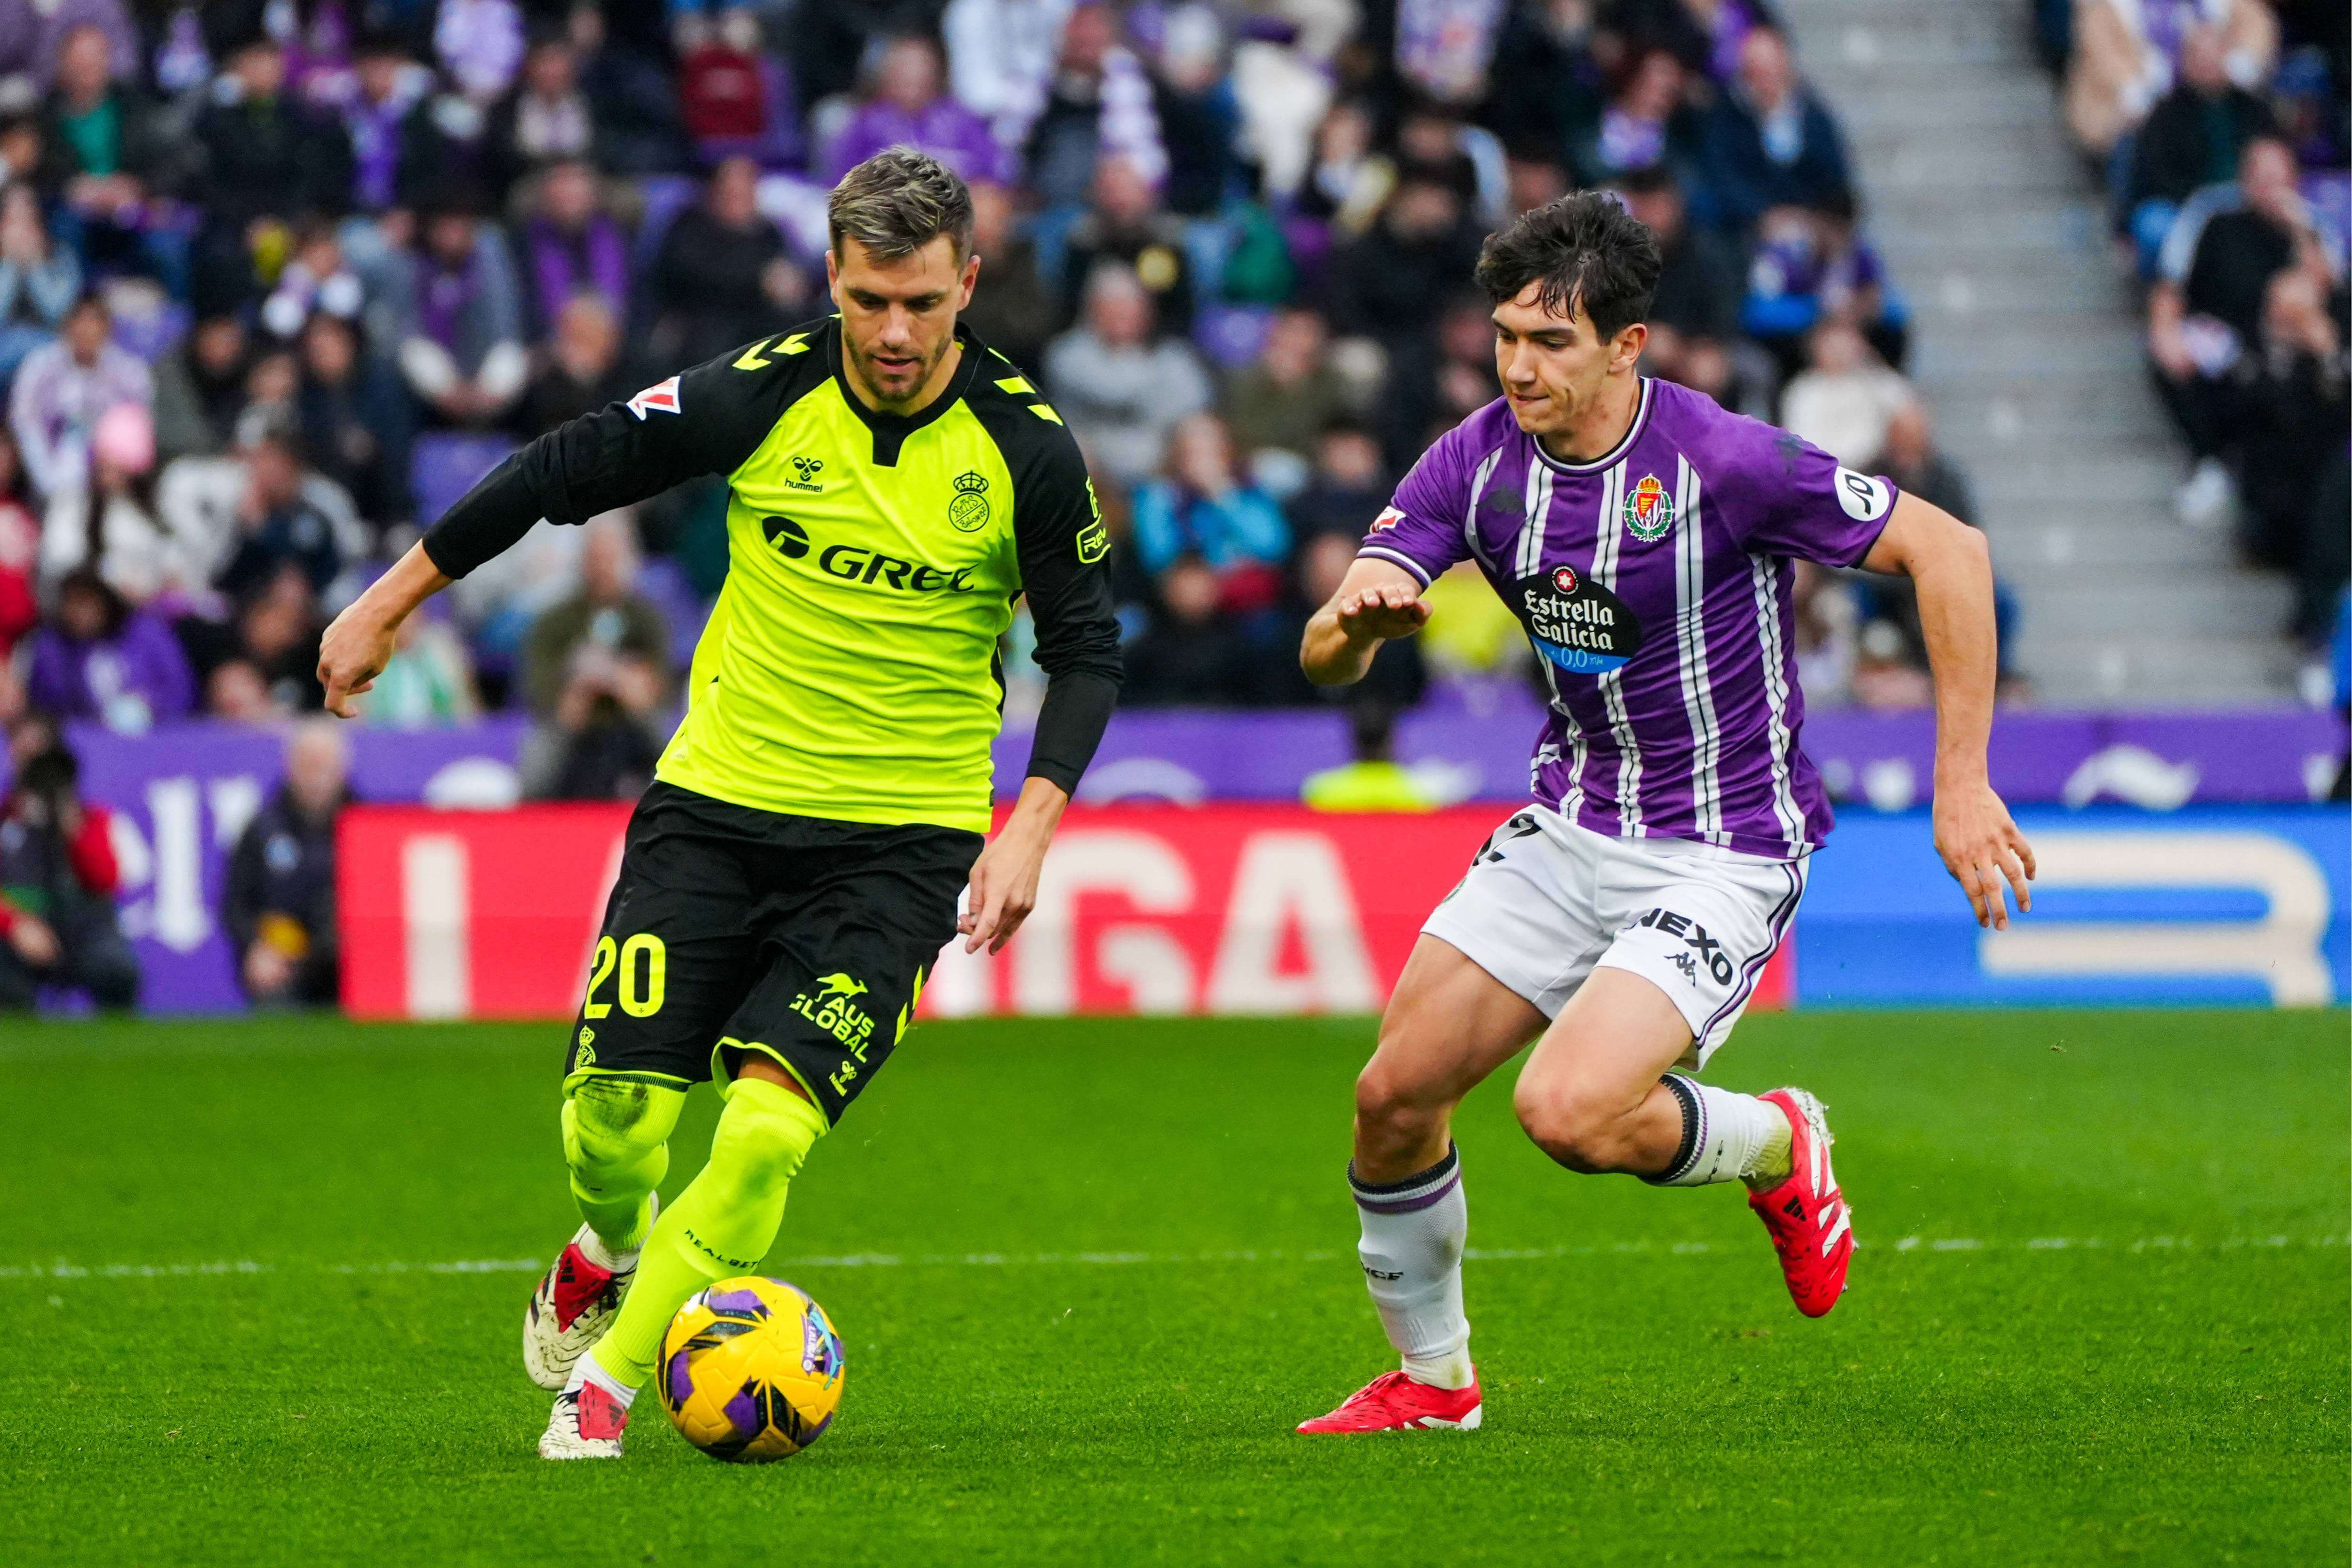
x=616 y=1143
x=721 y=1225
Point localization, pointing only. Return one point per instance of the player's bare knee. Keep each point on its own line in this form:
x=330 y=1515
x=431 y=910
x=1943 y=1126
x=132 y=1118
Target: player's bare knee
x=1577 y=1130
x=1393 y=1114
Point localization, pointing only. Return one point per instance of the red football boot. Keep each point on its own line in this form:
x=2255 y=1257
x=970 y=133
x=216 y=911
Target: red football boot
x=1395 y=1403
x=575 y=1301
x=586 y=1423
x=1812 y=1229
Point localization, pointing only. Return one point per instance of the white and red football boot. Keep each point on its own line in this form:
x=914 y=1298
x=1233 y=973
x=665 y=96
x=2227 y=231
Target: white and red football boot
x=1395 y=1403
x=575 y=1302
x=587 y=1423
x=1811 y=1227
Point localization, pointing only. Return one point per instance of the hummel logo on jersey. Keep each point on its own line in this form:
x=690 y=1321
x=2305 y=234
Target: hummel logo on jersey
x=659 y=398
x=808 y=468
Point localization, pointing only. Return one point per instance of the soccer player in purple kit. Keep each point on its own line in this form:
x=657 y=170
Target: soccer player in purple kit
x=1644 y=536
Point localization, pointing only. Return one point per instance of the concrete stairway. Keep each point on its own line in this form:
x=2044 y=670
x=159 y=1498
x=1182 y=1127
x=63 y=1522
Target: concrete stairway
x=2026 y=350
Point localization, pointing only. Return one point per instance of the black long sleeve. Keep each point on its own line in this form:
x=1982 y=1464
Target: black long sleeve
x=1059 y=534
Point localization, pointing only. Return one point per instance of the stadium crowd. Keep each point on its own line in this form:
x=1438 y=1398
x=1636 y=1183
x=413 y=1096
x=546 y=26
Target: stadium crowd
x=279 y=280
x=2221 y=125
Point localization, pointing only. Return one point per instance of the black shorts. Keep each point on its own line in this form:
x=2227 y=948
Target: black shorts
x=731 y=930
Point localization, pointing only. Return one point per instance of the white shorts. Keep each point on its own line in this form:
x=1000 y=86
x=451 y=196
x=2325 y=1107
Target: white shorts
x=1545 y=900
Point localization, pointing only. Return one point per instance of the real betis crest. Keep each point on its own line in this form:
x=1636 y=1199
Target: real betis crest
x=969 y=510
x=1649 y=510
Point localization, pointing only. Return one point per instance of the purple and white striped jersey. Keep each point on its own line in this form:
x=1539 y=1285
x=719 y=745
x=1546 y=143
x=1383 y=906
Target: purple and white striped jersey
x=1655 y=583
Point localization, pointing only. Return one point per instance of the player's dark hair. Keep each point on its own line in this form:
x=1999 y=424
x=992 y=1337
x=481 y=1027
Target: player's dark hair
x=1584 y=250
x=897 y=201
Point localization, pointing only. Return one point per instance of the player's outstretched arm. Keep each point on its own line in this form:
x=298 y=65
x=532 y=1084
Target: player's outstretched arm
x=1951 y=567
x=1378 y=600
x=358 y=643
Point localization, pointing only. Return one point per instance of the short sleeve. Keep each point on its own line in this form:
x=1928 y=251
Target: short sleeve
x=1799 y=501
x=1421 y=529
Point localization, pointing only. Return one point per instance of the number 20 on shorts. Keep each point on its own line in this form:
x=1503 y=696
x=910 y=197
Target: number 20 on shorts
x=642 y=984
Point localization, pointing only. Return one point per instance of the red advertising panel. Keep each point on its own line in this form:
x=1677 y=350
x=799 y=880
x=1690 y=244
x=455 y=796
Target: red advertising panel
x=1219 y=909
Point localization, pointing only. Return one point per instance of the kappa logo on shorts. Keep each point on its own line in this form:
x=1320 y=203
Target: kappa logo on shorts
x=1702 y=948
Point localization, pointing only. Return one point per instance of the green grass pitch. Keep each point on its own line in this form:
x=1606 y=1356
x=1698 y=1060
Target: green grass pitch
x=260 y=1286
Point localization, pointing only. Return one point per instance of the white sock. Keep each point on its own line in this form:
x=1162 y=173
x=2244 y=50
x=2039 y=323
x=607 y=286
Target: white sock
x=587 y=1369
x=619 y=1260
x=1726 y=1136
x=1413 y=1232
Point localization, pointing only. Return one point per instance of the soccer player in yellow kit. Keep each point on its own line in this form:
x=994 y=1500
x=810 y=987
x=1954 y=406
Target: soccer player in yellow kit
x=791 y=876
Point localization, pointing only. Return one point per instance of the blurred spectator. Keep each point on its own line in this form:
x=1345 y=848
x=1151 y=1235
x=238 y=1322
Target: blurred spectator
x=1547 y=84
x=275 y=633
x=462 y=347
x=1888 y=677
x=1205 y=508
x=57 y=880
x=2289 y=420
x=1098 y=106
x=1372 y=780
x=1001 y=56
x=40 y=279
x=1200 y=115
x=112 y=523
x=2206 y=307
x=907 y=108
x=1910 y=457
x=722 y=277
x=108 y=152
x=265 y=156
x=1695 y=318
x=199 y=389
x=579 y=370
x=1827 y=620
x=20 y=546
x=1436 y=380
x=1471 y=630
x=1706 y=35
x=638 y=127
x=429 y=680
x=596 y=671
x=278 y=904
x=1125 y=225
x=1433 y=144
x=1813 y=265
x=1444 y=50
x=1769 y=142
x=2126 y=53
x=1844 y=402
x=1647 y=126
x=62 y=388
x=354 y=419
x=546 y=120
x=1348 y=180
x=1387 y=284
x=606 y=621
x=479 y=43
x=2192 y=140
x=1190 y=653
x=34 y=35
x=1014 y=310
x=317 y=278
x=273 y=390
x=101 y=659
x=735 y=99
x=1120 y=391
x=278 y=525
x=570 y=245
x=1347 y=488
x=1290 y=394
x=389 y=86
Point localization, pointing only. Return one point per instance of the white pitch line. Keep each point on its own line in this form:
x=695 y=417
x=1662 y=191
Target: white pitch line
x=62 y=1270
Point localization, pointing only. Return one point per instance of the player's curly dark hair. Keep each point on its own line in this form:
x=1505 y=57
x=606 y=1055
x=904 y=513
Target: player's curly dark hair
x=897 y=201
x=1584 y=249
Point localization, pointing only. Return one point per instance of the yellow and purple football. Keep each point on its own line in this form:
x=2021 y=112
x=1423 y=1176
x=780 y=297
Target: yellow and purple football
x=750 y=1370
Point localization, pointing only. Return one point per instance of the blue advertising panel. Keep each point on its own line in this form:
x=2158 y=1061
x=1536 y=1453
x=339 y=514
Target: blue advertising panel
x=2205 y=906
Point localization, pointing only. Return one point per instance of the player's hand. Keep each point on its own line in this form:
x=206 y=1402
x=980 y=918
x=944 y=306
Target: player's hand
x=1005 y=878
x=1382 y=612
x=1981 y=847
x=352 y=653
x=34 y=941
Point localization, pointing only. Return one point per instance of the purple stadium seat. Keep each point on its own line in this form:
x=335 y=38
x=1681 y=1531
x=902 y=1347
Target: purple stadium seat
x=1231 y=335
x=445 y=465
